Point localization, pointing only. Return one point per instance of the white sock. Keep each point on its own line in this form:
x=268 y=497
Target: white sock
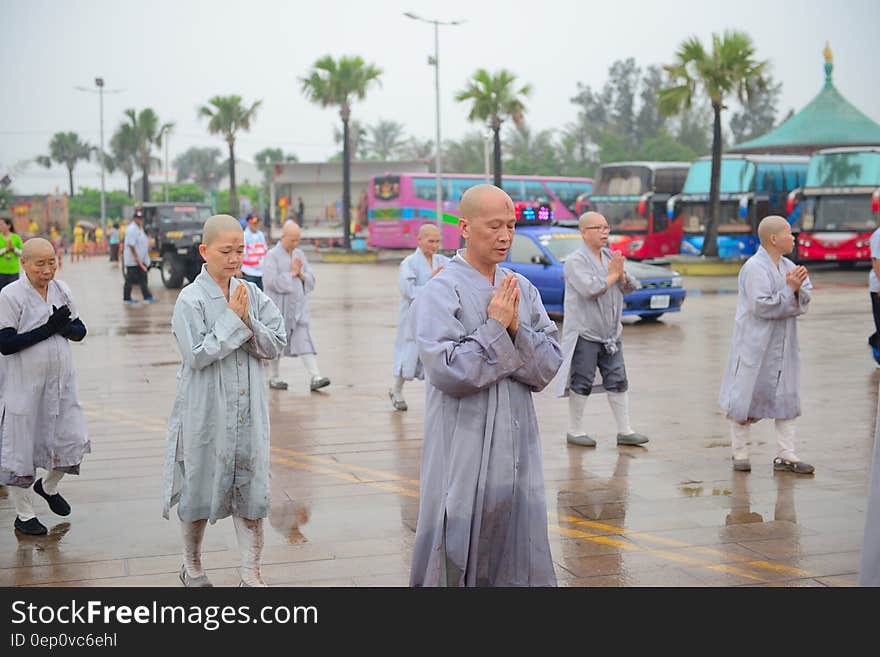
x=24 y=502
x=193 y=533
x=275 y=367
x=311 y=364
x=619 y=402
x=785 y=439
x=50 y=481
x=576 y=405
x=739 y=440
x=397 y=386
x=250 y=543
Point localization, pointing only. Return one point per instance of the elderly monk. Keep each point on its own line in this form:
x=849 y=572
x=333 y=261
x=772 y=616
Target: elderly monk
x=41 y=422
x=217 y=454
x=287 y=279
x=416 y=269
x=486 y=344
x=595 y=284
x=762 y=377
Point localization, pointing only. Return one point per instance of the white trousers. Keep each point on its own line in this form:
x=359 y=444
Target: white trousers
x=785 y=437
x=24 y=497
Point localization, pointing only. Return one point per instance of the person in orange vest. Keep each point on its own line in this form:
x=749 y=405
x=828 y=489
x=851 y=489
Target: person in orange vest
x=255 y=248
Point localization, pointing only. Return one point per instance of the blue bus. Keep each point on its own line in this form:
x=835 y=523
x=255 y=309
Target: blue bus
x=752 y=187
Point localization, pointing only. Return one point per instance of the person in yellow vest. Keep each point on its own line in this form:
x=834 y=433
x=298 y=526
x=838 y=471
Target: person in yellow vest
x=33 y=228
x=78 y=239
x=10 y=250
x=99 y=240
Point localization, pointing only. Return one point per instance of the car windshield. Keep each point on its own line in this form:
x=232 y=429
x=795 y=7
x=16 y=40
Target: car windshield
x=562 y=245
x=183 y=214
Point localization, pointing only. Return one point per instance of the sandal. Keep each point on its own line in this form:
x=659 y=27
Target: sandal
x=798 y=467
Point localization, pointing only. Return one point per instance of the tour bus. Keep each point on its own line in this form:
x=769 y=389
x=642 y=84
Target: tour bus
x=752 y=187
x=841 y=205
x=632 y=196
x=398 y=204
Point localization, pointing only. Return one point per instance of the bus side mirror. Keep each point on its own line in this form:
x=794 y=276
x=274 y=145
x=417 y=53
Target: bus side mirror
x=673 y=208
x=743 y=207
x=794 y=197
x=875 y=201
x=643 y=205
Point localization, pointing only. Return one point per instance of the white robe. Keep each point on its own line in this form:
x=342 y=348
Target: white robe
x=482 y=509
x=592 y=309
x=217 y=449
x=414 y=273
x=41 y=421
x=762 y=376
x=289 y=292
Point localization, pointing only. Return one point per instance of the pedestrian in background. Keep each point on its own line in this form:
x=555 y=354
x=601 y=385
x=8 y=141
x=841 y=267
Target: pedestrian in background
x=10 y=252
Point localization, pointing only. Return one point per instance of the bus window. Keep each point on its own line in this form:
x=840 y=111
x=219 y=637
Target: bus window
x=669 y=180
x=661 y=221
x=567 y=193
x=426 y=188
x=513 y=189
x=768 y=177
x=459 y=186
x=535 y=192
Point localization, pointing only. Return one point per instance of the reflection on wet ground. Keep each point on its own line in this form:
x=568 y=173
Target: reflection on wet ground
x=345 y=466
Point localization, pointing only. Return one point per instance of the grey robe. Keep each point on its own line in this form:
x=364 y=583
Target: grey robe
x=414 y=273
x=289 y=294
x=762 y=376
x=41 y=421
x=217 y=450
x=482 y=511
x=592 y=309
x=869 y=573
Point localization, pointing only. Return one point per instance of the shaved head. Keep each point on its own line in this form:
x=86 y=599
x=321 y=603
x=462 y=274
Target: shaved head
x=291 y=228
x=291 y=235
x=219 y=223
x=487 y=223
x=590 y=219
x=772 y=225
x=474 y=198
x=37 y=247
x=426 y=229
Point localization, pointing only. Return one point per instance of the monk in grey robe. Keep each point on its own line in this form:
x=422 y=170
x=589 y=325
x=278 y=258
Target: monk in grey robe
x=287 y=279
x=486 y=344
x=595 y=284
x=217 y=454
x=762 y=376
x=41 y=421
x=415 y=270
x=869 y=573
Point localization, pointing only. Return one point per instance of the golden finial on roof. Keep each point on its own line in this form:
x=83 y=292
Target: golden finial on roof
x=829 y=58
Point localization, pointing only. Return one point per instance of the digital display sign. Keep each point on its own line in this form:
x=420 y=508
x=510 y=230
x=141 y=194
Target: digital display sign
x=532 y=215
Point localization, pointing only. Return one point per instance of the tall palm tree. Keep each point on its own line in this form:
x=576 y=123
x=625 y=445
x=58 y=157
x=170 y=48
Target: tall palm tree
x=123 y=152
x=495 y=99
x=332 y=82
x=66 y=148
x=385 y=139
x=148 y=134
x=202 y=165
x=226 y=116
x=731 y=68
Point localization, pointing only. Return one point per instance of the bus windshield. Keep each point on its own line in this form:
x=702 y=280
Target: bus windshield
x=840 y=213
x=622 y=180
x=622 y=216
x=844 y=169
x=695 y=214
x=736 y=176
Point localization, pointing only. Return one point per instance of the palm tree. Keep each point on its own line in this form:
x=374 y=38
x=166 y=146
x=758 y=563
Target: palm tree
x=384 y=139
x=66 y=148
x=202 y=165
x=730 y=68
x=226 y=116
x=357 y=140
x=494 y=100
x=146 y=133
x=123 y=153
x=333 y=82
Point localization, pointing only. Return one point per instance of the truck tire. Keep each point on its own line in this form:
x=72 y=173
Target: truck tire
x=193 y=272
x=172 y=271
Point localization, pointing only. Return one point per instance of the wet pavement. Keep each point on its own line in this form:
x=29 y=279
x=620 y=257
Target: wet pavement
x=345 y=465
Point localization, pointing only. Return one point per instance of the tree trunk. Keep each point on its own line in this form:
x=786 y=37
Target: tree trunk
x=496 y=157
x=70 y=179
x=346 y=184
x=710 y=239
x=145 y=182
x=128 y=176
x=233 y=193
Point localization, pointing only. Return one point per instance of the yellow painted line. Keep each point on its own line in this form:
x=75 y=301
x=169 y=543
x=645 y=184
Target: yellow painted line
x=778 y=567
x=382 y=474
x=594 y=538
x=345 y=476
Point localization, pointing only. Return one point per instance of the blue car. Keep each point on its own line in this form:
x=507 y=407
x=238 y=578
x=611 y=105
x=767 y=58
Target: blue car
x=538 y=253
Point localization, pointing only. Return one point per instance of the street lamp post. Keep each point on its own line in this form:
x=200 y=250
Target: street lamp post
x=435 y=62
x=99 y=82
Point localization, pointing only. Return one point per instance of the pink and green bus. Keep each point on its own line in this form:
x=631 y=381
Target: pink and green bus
x=399 y=204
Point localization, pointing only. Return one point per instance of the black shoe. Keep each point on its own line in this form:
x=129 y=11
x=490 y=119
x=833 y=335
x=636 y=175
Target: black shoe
x=32 y=527
x=57 y=503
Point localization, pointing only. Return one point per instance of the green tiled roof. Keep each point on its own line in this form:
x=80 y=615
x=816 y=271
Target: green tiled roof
x=828 y=120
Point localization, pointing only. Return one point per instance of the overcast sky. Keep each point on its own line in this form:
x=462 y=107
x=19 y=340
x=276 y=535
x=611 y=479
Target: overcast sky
x=175 y=55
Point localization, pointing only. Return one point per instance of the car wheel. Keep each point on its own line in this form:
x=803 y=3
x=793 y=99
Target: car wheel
x=172 y=272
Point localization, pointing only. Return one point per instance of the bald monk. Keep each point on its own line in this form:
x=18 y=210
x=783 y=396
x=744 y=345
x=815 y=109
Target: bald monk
x=486 y=344
x=415 y=270
x=762 y=377
x=217 y=453
x=41 y=422
x=287 y=279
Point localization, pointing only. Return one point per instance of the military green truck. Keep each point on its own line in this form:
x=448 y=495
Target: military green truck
x=175 y=232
